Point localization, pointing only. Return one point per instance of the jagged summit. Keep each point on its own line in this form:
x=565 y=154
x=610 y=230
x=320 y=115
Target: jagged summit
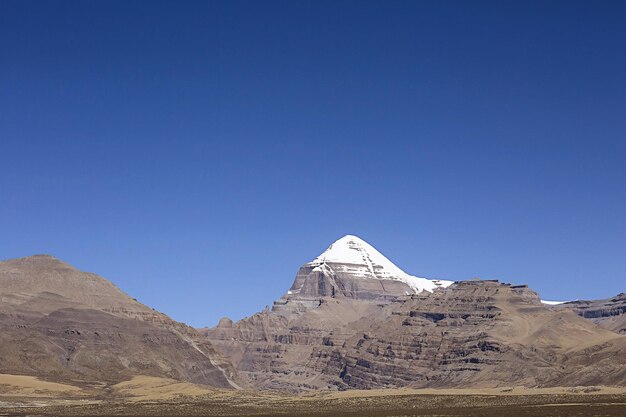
x=353 y=255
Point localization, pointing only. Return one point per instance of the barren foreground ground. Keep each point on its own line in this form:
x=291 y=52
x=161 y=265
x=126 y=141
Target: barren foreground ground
x=144 y=396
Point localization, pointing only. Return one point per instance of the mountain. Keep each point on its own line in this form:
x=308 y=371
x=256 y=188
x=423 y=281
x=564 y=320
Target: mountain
x=609 y=313
x=42 y=283
x=348 y=281
x=476 y=333
x=352 y=319
x=59 y=323
x=352 y=268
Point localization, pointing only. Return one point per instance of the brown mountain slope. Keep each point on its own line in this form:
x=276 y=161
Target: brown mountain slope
x=273 y=350
x=353 y=319
x=609 y=313
x=474 y=333
x=43 y=283
x=58 y=322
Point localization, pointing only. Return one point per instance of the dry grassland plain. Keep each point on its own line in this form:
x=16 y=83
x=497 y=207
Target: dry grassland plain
x=149 y=396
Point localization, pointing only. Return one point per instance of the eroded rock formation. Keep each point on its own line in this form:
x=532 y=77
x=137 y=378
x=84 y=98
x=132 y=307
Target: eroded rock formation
x=352 y=319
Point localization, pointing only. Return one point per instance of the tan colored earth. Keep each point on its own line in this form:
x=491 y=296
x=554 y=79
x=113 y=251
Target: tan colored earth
x=151 y=396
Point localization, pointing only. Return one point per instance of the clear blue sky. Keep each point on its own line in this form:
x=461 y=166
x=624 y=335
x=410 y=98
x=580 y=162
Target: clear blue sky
x=197 y=153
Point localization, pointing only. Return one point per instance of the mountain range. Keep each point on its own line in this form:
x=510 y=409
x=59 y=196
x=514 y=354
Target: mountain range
x=351 y=319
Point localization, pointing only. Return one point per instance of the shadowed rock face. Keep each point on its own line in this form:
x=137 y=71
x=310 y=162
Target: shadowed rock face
x=60 y=323
x=339 y=327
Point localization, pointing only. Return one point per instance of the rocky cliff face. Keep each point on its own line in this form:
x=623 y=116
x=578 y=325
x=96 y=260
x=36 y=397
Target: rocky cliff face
x=60 y=323
x=478 y=333
x=609 y=313
x=346 y=282
x=353 y=320
x=272 y=349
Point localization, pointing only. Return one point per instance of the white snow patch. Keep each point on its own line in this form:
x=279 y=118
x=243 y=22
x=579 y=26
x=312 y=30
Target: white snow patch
x=553 y=303
x=359 y=258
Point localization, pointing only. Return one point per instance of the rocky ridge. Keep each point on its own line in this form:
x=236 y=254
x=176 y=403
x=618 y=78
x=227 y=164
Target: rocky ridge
x=609 y=313
x=351 y=320
x=60 y=323
x=342 y=325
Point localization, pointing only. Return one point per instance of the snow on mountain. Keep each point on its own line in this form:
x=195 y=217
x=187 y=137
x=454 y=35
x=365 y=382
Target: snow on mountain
x=553 y=303
x=353 y=255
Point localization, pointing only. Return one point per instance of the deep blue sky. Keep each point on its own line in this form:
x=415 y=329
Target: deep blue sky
x=197 y=153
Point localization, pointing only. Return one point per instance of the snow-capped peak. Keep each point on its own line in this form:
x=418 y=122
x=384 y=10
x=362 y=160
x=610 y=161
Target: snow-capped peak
x=354 y=250
x=353 y=255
